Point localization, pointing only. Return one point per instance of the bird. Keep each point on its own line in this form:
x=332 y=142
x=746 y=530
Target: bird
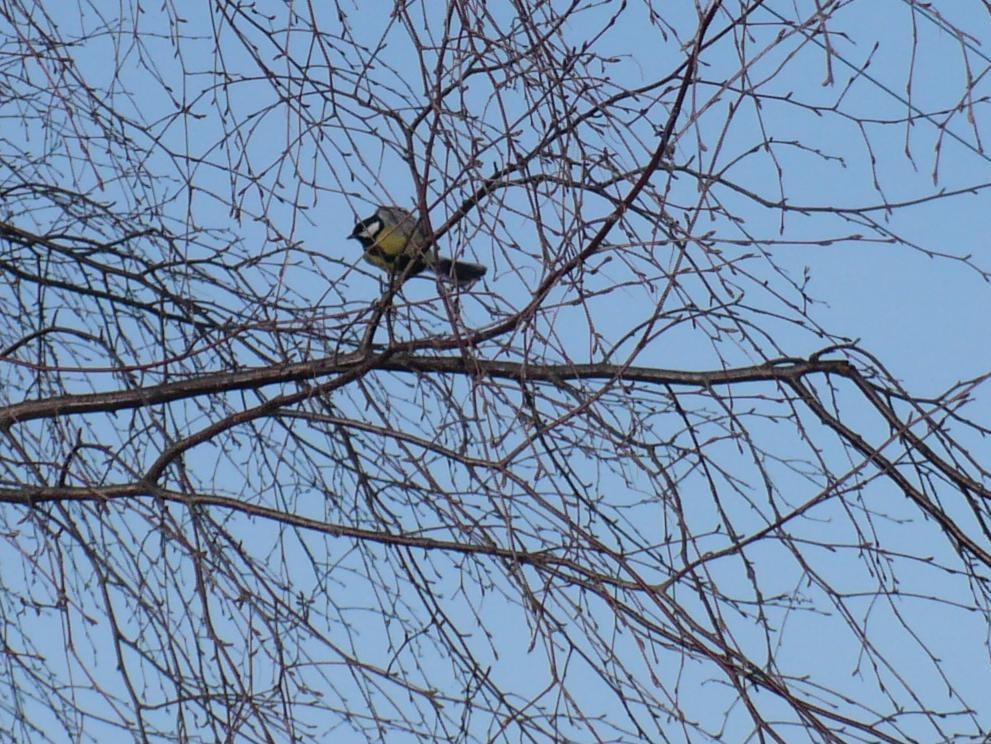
x=392 y=238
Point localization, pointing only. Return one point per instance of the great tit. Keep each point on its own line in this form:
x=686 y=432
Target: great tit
x=392 y=238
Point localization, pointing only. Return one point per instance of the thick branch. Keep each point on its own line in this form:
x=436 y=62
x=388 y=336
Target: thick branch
x=257 y=377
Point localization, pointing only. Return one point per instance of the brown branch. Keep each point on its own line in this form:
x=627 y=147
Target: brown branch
x=258 y=377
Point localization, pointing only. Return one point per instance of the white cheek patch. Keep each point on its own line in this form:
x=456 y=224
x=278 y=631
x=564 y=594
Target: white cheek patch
x=372 y=229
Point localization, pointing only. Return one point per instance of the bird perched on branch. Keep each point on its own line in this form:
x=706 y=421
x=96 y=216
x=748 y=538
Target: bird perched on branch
x=393 y=238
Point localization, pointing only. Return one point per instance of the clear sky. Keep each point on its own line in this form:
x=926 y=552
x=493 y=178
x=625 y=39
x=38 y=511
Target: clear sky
x=904 y=280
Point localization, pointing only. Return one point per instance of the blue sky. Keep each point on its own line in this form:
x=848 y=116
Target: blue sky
x=924 y=317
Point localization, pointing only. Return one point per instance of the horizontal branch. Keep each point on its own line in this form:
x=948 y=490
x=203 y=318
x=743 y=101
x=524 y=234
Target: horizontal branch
x=34 y=496
x=784 y=369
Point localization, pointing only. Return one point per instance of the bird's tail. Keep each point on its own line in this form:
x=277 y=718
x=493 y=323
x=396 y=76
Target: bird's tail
x=462 y=272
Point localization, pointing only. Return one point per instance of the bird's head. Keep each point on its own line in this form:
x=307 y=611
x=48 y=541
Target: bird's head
x=366 y=231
